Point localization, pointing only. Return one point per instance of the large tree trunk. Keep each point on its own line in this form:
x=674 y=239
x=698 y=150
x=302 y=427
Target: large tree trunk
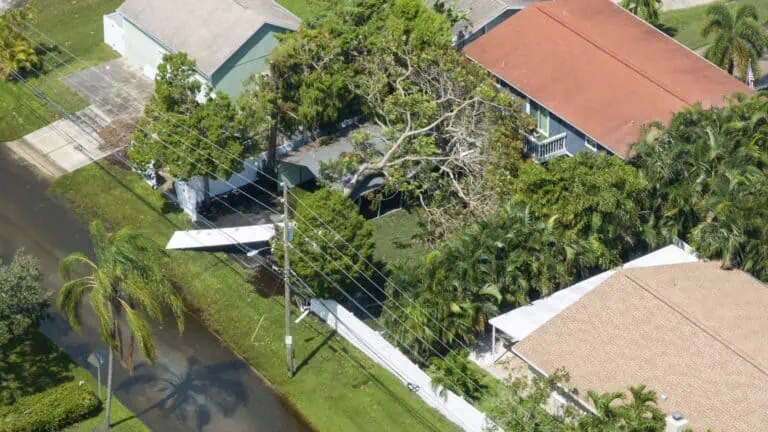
x=731 y=67
x=108 y=407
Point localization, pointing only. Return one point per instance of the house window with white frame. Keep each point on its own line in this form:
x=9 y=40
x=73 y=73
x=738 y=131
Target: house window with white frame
x=542 y=119
x=591 y=144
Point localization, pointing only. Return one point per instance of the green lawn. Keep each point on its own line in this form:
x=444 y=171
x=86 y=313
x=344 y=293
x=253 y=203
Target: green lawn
x=303 y=9
x=337 y=388
x=396 y=236
x=75 y=26
x=689 y=21
x=36 y=364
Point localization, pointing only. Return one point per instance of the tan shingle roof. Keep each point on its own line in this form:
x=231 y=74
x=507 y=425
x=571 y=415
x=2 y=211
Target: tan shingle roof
x=692 y=331
x=600 y=68
x=210 y=31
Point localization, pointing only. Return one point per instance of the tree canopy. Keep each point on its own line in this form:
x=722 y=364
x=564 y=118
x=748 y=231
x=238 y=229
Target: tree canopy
x=188 y=137
x=392 y=63
x=597 y=197
x=739 y=39
x=17 y=51
x=23 y=300
x=709 y=171
x=331 y=244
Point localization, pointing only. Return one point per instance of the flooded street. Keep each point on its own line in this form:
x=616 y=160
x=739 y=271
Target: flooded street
x=196 y=384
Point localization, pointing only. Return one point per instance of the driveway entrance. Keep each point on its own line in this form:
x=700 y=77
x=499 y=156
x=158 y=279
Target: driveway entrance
x=115 y=90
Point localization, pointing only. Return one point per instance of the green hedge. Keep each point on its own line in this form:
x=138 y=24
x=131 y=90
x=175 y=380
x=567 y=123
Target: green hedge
x=51 y=410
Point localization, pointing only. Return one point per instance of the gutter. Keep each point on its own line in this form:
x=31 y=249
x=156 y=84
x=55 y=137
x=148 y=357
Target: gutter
x=583 y=405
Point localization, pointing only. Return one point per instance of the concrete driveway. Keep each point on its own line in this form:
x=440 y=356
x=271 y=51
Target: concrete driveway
x=115 y=90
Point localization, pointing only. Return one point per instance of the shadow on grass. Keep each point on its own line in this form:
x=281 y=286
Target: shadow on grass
x=31 y=364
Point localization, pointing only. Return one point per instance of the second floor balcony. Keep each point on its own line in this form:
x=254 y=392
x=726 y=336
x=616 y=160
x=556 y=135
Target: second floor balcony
x=543 y=150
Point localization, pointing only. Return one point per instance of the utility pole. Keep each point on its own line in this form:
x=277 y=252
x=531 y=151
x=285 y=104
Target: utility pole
x=287 y=279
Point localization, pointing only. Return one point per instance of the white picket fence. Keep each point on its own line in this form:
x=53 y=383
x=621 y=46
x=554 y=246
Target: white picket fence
x=382 y=352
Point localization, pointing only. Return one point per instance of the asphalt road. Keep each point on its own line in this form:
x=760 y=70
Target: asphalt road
x=196 y=385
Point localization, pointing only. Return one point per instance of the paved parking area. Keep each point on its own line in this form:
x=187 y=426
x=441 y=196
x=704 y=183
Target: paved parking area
x=115 y=90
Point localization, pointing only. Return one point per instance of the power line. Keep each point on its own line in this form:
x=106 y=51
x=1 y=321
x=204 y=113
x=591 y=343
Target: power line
x=315 y=230
x=41 y=94
x=347 y=274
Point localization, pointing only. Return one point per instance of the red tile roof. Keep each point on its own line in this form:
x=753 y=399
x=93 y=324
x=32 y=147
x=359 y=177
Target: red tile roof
x=600 y=68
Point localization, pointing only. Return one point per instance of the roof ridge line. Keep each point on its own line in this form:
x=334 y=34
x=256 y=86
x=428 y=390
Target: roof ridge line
x=701 y=326
x=622 y=60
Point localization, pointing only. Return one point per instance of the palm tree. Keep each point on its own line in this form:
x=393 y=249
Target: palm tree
x=16 y=50
x=739 y=39
x=642 y=414
x=607 y=416
x=648 y=10
x=126 y=280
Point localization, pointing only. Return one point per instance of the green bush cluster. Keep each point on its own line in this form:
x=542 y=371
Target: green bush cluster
x=51 y=410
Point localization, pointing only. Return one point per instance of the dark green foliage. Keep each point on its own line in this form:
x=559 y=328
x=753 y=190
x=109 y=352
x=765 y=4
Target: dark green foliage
x=23 y=300
x=597 y=197
x=503 y=261
x=710 y=184
x=51 y=410
x=739 y=39
x=190 y=138
x=647 y=10
x=519 y=406
x=17 y=51
x=332 y=239
x=455 y=373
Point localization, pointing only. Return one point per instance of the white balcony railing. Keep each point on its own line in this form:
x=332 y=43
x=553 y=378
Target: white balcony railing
x=546 y=149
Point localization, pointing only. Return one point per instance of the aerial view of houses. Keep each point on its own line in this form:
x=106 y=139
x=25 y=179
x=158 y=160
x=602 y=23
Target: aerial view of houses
x=383 y=215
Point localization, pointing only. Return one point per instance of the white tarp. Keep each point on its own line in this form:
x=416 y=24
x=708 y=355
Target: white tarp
x=197 y=239
x=521 y=322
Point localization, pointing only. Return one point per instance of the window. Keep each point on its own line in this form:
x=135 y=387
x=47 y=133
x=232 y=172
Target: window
x=542 y=119
x=591 y=144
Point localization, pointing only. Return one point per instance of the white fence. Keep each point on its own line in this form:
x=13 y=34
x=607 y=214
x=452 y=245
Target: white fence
x=382 y=352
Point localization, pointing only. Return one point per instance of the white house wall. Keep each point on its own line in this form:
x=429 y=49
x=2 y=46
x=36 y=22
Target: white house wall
x=113 y=32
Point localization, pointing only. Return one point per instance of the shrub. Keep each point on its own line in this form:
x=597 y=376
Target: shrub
x=332 y=242
x=51 y=410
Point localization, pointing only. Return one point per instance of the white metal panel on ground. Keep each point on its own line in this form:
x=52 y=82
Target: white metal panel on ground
x=521 y=322
x=198 y=239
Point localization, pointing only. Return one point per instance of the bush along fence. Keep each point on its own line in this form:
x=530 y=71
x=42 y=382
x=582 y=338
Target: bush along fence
x=378 y=349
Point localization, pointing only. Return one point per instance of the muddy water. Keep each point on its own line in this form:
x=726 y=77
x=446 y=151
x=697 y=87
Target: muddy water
x=196 y=385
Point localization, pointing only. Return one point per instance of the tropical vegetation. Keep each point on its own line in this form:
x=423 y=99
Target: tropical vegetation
x=126 y=281
x=190 y=138
x=519 y=406
x=17 y=52
x=332 y=245
x=43 y=389
x=738 y=40
x=709 y=172
x=23 y=300
x=648 y=10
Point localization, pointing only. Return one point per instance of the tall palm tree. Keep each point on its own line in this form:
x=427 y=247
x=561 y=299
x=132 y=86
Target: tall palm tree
x=126 y=281
x=739 y=39
x=648 y=10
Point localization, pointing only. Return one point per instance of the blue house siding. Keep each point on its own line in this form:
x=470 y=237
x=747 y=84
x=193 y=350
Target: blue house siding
x=476 y=33
x=575 y=139
x=251 y=58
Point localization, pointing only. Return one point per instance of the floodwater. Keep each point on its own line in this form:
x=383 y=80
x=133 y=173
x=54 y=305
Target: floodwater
x=196 y=385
